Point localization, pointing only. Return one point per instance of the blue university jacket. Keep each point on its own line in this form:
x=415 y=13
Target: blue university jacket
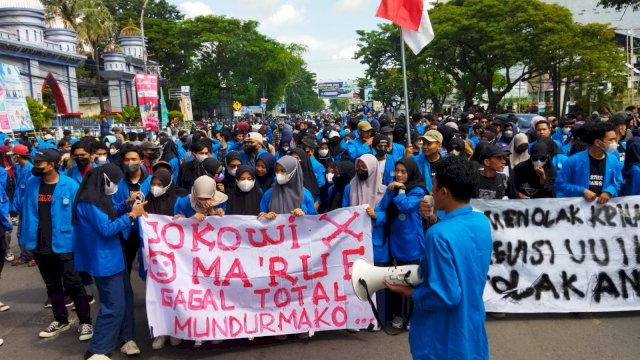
x=448 y=310
x=183 y=207
x=632 y=181
x=356 y=148
x=574 y=177
x=22 y=176
x=307 y=206
x=61 y=215
x=5 y=224
x=380 y=246
x=124 y=193
x=406 y=232
x=96 y=246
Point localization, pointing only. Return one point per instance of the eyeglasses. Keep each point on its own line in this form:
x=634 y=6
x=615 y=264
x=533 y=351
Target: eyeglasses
x=538 y=158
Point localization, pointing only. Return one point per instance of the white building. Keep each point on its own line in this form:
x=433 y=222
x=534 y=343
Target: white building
x=45 y=55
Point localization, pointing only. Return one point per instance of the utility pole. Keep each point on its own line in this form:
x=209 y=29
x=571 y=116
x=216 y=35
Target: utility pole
x=144 y=44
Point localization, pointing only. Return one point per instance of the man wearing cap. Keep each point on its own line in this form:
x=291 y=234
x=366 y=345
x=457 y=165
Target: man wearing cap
x=362 y=145
x=562 y=133
x=429 y=155
x=46 y=230
x=395 y=150
x=23 y=174
x=492 y=183
x=252 y=147
x=387 y=162
x=309 y=145
x=150 y=154
x=337 y=146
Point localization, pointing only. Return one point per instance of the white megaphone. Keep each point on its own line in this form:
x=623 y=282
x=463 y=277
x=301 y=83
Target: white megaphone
x=374 y=276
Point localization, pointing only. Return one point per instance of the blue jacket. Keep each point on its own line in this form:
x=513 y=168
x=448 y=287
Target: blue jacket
x=5 y=224
x=61 y=215
x=307 y=206
x=124 y=193
x=183 y=207
x=632 y=181
x=75 y=174
x=245 y=157
x=406 y=233
x=574 y=177
x=319 y=171
x=448 y=310
x=397 y=152
x=96 y=246
x=22 y=177
x=3 y=178
x=425 y=168
x=380 y=246
x=356 y=148
x=175 y=168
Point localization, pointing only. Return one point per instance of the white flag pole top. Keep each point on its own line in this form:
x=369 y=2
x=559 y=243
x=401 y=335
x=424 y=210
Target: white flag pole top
x=417 y=40
x=406 y=91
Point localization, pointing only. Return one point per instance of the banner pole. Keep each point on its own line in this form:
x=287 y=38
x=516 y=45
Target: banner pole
x=406 y=92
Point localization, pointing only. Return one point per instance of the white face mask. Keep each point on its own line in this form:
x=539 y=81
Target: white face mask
x=455 y=152
x=158 y=191
x=566 y=130
x=323 y=152
x=246 y=185
x=113 y=151
x=110 y=187
x=538 y=163
x=612 y=147
x=508 y=134
x=101 y=160
x=201 y=158
x=232 y=171
x=330 y=178
x=282 y=179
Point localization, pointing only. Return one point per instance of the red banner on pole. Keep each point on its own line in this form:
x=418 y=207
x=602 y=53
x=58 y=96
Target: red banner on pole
x=147 y=88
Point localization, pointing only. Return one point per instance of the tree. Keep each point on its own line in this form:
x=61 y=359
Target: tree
x=123 y=10
x=40 y=114
x=620 y=4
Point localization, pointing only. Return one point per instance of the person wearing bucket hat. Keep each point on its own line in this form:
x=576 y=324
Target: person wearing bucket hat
x=204 y=200
x=361 y=145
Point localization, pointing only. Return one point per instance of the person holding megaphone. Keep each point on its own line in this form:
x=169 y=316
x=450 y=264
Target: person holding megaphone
x=448 y=311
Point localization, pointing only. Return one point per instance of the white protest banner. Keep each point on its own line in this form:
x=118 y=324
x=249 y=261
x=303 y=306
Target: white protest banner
x=241 y=277
x=563 y=255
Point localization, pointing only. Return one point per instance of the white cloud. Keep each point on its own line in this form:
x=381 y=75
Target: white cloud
x=287 y=13
x=345 y=53
x=310 y=41
x=192 y=9
x=350 y=6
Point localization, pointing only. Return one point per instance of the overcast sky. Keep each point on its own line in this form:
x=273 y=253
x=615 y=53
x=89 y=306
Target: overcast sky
x=326 y=27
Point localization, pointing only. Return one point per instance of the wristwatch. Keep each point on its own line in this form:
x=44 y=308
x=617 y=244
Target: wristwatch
x=131 y=216
x=403 y=187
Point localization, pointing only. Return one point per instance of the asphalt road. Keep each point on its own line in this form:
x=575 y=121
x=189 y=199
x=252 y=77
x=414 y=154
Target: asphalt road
x=584 y=336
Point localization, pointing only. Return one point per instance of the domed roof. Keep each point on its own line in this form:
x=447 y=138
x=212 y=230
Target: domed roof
x=22 y=4
x=113 y=47
x=130 y=30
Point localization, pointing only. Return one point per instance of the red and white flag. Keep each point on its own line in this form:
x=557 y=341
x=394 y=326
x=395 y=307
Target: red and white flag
x=413 y=19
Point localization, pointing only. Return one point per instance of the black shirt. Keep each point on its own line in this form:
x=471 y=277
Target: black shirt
x=495 y=187
x=45 y=196
x=596 y=174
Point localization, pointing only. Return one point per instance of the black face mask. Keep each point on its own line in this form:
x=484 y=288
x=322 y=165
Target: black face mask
x=154 y=156
x=334 y=141
x=37 y=171
x=362 y=174
x=81 y=161
x=381 y=152
x=249 y=149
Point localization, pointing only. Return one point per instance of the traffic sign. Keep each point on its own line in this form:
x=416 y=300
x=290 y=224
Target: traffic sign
x=263 y=100
x=236 y=106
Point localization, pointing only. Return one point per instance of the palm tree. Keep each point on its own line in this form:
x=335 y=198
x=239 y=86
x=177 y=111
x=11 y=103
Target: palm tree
x=93 y=23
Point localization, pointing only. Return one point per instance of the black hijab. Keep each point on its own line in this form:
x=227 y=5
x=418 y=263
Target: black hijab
x=92 y=187
x=552 y=147
x=308 y=176
x=230 y=180
x=266 y=181
x=244 y=203
x=169 y=150
x=414 y=180
x=117 y=158
x=164 y=204
x=209 y=167
x=345 y=171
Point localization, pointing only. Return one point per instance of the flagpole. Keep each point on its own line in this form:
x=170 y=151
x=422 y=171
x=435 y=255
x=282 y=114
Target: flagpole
x=406 y=92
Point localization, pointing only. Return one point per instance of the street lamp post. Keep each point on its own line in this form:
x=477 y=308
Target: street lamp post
x=144 y=45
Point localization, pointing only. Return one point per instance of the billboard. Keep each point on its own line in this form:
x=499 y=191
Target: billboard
x=14 y=112
x=147 y=87
x=337 y=89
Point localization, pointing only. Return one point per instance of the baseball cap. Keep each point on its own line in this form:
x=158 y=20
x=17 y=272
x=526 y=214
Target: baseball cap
x=148 y=146
x=21 y=150
x=386 y=130
x=309 y=141
x=433 y=136
x=333 y=134
x=254 y=136
x=380 y=139
x=364 y=126
x=492 y=150
x=452 y=125
x=48 y=155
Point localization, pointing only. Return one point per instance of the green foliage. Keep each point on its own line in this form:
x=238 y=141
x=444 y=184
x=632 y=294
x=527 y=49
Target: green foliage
x=175 y=114
x=210 y=51
x=620 y=4
x=123 y=10
x=130 y=113
x=515 y=41
x=41 y=114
